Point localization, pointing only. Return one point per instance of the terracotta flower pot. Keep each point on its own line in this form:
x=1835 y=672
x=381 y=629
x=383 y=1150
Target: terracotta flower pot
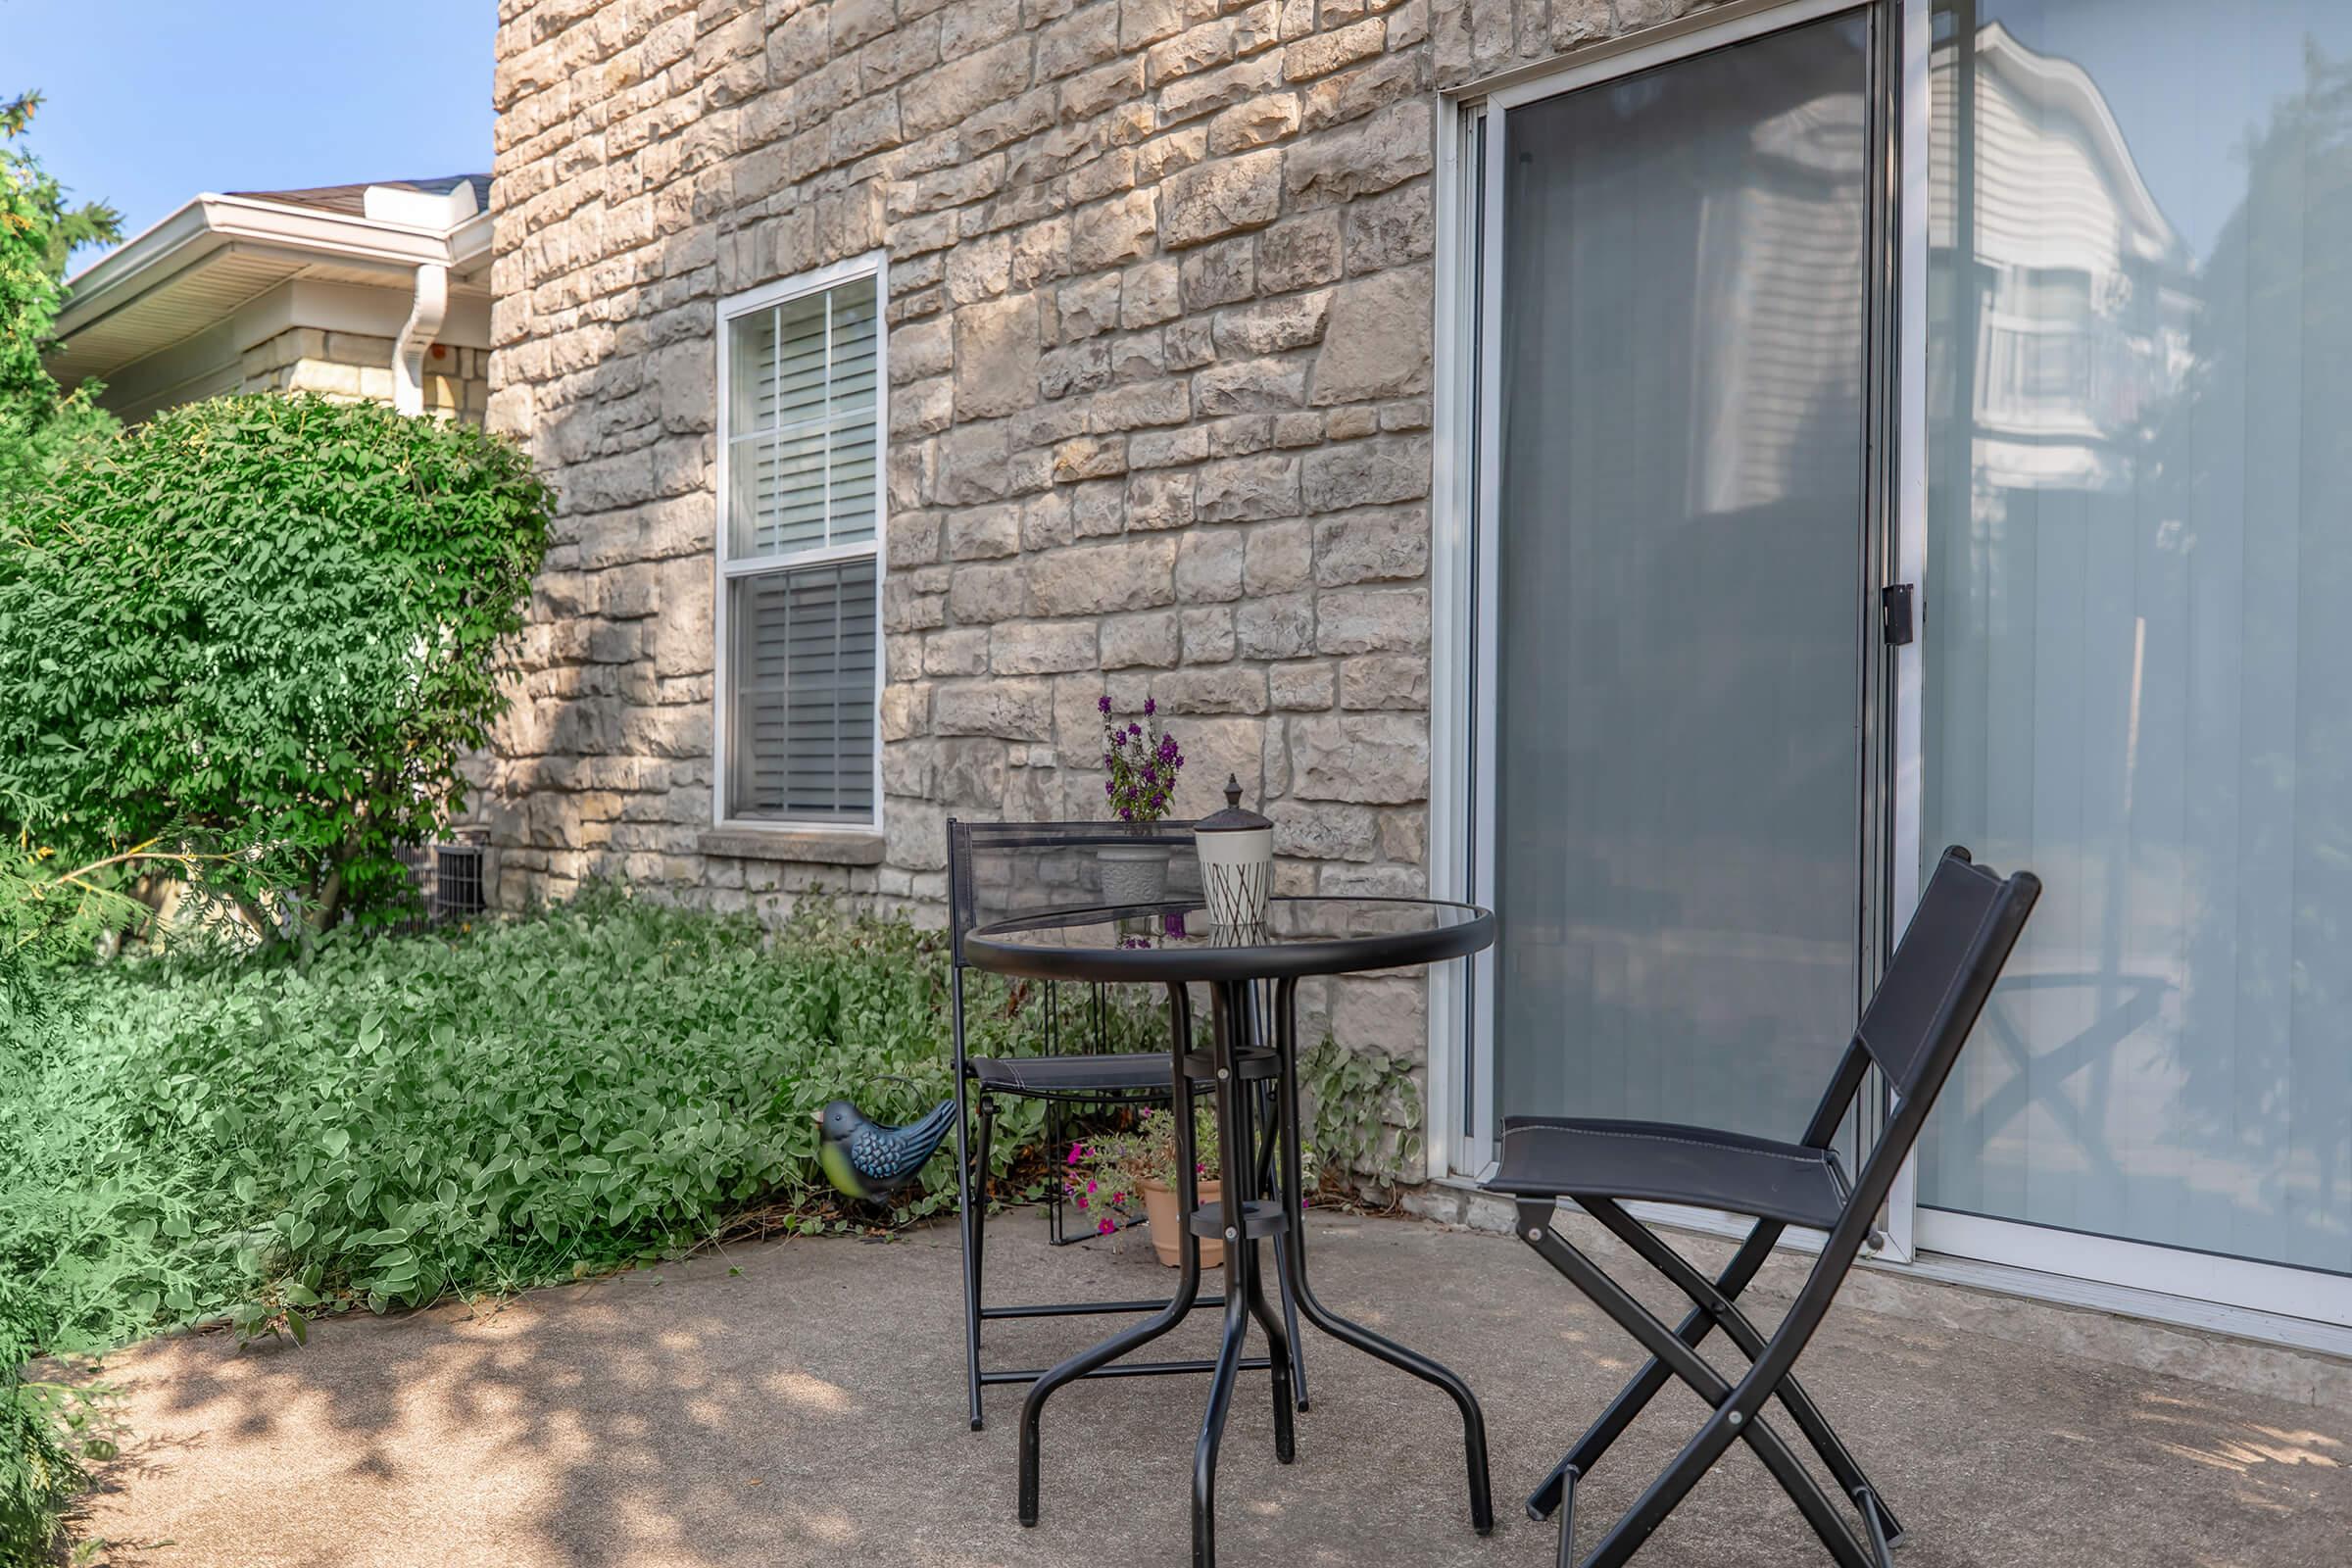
x=1165 y=1218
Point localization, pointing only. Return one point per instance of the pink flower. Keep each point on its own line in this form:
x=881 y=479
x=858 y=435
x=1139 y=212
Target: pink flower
x=1082 y=1203
x=1104 y=1228
x=1089 y=1187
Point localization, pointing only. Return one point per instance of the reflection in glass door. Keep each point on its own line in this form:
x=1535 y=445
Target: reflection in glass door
x=1680 y=527
x=2139 y=439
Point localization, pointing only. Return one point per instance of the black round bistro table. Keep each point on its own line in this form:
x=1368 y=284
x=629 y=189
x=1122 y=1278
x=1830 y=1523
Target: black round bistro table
x=1252 y=977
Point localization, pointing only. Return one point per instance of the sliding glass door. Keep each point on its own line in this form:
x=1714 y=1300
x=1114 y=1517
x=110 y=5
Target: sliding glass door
x=2140 y=526
x=1678 y=525
x=2120 y=255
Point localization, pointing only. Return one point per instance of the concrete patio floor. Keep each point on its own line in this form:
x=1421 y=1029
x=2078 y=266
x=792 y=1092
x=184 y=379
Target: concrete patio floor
x=800 y=1402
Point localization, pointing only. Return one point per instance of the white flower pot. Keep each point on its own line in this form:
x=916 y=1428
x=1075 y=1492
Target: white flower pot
x=1133 y=873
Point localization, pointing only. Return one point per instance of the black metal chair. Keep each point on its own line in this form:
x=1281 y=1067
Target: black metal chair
x=997 y=871
x=1912 y=1030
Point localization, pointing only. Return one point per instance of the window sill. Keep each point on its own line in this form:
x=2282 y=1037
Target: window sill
x=817 y=846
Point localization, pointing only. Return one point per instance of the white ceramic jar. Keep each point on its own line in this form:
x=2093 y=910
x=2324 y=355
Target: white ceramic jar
x=1237 y=865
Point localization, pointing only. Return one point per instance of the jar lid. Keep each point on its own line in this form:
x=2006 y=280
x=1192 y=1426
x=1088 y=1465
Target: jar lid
x=1232 y=819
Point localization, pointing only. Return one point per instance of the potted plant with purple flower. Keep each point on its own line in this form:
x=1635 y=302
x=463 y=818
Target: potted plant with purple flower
x=1139 y=763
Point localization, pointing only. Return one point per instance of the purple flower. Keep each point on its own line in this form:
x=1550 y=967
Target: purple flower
x=1151 y=706
x=1102 y=705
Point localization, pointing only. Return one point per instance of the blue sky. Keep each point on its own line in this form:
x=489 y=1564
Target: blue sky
x=152 y=101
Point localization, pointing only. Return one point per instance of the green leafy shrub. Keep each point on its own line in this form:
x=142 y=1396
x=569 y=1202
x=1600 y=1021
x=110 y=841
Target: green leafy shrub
x=267 y=622
x=42 y=426
x=39 y=1469
x=48 y=1431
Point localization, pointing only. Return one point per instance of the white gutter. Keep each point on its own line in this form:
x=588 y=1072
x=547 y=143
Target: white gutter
x=417 y=335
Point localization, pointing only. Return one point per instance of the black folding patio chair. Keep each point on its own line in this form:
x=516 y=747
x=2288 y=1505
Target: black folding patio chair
x=1912 y=1030
x=1000 y=870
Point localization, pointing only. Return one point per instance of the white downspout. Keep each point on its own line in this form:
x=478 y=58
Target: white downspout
x=416 y=336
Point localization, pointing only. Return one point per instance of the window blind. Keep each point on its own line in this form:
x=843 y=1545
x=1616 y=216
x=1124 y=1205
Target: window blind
x=801 y=433
x=802 y=674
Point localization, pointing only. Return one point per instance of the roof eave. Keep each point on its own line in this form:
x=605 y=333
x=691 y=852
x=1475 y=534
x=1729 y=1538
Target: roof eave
x=211 y=222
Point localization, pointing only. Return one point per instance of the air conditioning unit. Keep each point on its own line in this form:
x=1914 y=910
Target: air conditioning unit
x=452 y=879
x=460 y=888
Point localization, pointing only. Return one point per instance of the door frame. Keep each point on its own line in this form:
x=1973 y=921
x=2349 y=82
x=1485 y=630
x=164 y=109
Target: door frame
x=2266 y=1301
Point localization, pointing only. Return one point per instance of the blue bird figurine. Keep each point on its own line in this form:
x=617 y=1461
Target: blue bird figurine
x=863 y=1158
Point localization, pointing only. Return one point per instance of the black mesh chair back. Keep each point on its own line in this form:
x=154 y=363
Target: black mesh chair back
x=1939 y=980
x=1002 y=870
x=1935 y=987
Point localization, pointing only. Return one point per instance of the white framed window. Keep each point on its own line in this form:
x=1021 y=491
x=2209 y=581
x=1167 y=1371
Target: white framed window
x=802 y=412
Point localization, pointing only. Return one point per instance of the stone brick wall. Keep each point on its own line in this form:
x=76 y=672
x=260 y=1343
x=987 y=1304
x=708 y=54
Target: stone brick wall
x=349 y=365
x=1161 y=306
x=1476 y=39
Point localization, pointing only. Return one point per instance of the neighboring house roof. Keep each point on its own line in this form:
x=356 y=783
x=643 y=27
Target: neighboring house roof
x=221 y=251
x=352 y=198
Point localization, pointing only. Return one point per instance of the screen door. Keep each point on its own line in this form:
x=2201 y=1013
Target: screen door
x=1678 y=517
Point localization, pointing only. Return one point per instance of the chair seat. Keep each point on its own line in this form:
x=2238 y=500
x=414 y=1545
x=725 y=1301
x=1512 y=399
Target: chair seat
x=1667 y=1164
x=1073 y=1075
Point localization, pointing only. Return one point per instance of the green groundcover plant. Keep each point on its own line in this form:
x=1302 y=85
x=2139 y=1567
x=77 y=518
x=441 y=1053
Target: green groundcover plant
x=264 y=624
x=380 y=1120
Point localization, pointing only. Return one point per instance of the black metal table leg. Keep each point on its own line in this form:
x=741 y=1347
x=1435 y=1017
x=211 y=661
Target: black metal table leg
x=1239 y=1223
x=1248 y=979
x=1269 y=1180
x=1257 y=1160
x=1293 y=1259
x=1188 y=1287
x=1247 y=1215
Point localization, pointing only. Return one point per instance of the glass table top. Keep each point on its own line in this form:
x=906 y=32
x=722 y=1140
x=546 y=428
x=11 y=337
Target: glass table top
x=1177 y=940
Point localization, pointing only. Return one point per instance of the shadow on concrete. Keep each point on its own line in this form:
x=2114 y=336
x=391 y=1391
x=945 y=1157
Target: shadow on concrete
x=800 y=1402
